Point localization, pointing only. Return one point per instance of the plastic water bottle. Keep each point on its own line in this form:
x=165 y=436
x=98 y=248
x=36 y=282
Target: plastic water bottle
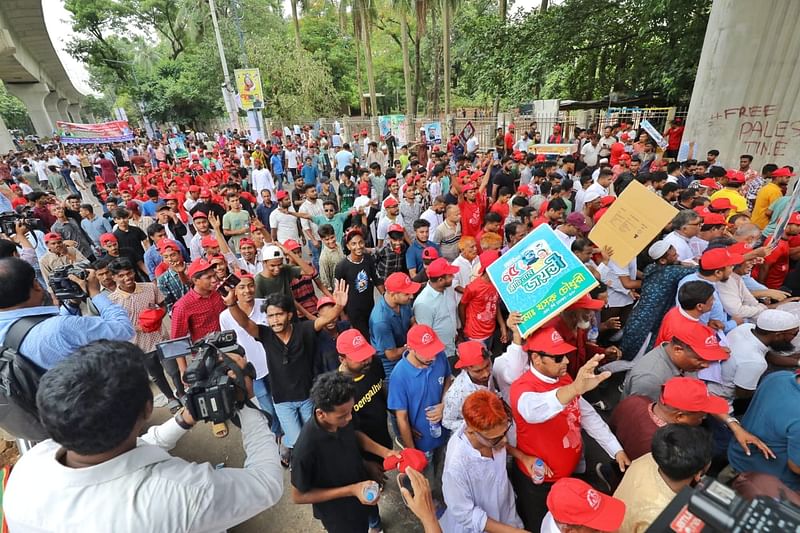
x=538 y=472
x=435 y=427
x=371 y=492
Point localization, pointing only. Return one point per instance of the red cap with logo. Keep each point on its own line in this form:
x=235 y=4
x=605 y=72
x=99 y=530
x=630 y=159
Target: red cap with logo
x=53 y=237
x=587 y=302
x=794 y=218
x=209 y=242
x=390 y=202
x=710 y=183
x=487 y=258
x=106 y=238
x=165 y=244
x=734 y=176
x=721 y=204
x=470 y=353
x=719 y=258
x=783 y=172
x=198 y=266
x=396 y=228
x=440 y=267
x=289 y=244
x=691 y=395
x=280 y=195
x=713 y=219
x=430 y=253
x=199 y=214
x=703 y=341
x=424 y=341
x=575 y=502
x=246 y=241
x=400 y=282
x=548 y=340
x=352 y=344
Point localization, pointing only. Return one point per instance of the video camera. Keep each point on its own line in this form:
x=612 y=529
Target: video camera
x=63 y=287
x=211 y=395
x=8 y=221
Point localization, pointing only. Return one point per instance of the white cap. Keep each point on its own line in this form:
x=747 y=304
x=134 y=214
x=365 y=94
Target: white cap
x=591 y=195
x=776 y=320
x=658 y=249
x=272 y=252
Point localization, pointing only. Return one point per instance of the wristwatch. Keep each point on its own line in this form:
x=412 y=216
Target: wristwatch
x=180 y=421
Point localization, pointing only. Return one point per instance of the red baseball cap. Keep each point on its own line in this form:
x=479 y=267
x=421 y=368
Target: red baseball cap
x=53 y=236
x=205 y=193
x=487 y=258
x=587 y=302
x=194 y=188
x=740 y=248
x=164 y=244
x=199 y=214
x=150 y=319
x=734 y=176
x=470 y=353
x=209 y=242
x=325 y=300
x=541 y=158
x=469 y=187
x=703 y=341
x=105 y=238
x=396 y=228
x=423 y=340
x=400 y=282
x=548 y=340
x=783 y=172
x=721 y=203
x=352 y=344
x=524 y=190
x=719 y=258
x=280 y=195
x=691 y=394
x=713 y=219
x=390 y=202
x=711 y=183
x=246 y=240
x=701 y=210
x=198 y=266
x=291 y=244
x=430 y=253
x=794 y=218
x=572 y=501
x=440 y=267
x=606 y=201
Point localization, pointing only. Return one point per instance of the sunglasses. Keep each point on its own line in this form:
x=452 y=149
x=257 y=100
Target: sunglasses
x=493 y=442
x=557 y=359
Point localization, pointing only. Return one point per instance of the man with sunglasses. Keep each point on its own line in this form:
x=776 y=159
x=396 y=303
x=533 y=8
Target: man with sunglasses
x=549 y=413
x=475 y=482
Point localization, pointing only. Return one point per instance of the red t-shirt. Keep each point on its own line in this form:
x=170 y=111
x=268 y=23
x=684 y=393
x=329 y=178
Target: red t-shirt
x=509 y=138
x=501 y=209
x=472 y=215
x=673 y=323
x=480 y=306
x=617 y=149
x=674 y=136
x=779 y=261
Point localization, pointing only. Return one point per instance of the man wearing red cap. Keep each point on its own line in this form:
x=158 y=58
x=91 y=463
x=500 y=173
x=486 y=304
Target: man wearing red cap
x=476 y=374
x=550 y=412
x=436 y=305
x=573 y=324
x=472 y=204
x=478 y=310
x=391 y=256
x=768 y=194
x=390 y=319
x=732 y=182
x=59 y=253
x=574 y=506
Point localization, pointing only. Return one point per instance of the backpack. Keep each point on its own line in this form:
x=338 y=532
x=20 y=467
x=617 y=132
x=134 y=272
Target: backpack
x=19 y=381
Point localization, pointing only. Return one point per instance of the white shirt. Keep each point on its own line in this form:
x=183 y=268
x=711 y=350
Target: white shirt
x=744 y=367
x=563 y=237
x=464 y=274
x=262 y=179
x=253 y=349
x=596 y=187
x=472 y=144
x=508 y=367
x=313 y=209
x=433 y=218
x=475 y=488
x=682 y=246
x=385 y=222
x=618 y=296
x=285 y=226
x=145 y=489
x=291 y=159
x=461 y=387
x=590 y=154
x=549 y=524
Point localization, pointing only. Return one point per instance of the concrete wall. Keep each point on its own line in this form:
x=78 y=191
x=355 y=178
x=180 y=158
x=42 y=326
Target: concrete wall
x=746 y=97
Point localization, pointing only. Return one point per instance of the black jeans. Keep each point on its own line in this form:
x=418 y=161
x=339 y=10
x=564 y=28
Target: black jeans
x=531 y=498
x=153 y=365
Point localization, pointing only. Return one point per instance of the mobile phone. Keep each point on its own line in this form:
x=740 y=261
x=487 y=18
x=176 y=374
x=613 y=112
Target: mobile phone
x=403 y=481
x=179 y=347
x=228 y=284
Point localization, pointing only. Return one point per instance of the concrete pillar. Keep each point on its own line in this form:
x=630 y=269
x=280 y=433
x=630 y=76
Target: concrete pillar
x=74 y=111
x=745 y=98
x=32 y=95
x=6 y=144
x=51 y=105
x=62 y=105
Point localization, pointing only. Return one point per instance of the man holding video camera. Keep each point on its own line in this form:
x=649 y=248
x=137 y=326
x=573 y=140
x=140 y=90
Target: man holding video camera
x=58 y=335
x=101 y=476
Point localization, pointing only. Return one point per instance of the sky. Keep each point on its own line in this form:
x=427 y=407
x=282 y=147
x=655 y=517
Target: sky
x=57 y=19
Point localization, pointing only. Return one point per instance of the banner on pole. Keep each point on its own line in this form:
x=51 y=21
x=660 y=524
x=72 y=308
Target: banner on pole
x=466 y=132
x=433 y=132
x=653 y=133
x=540 y=277
x=395 y=125
x=103 y=132
x=178 y=147
x=248 y=83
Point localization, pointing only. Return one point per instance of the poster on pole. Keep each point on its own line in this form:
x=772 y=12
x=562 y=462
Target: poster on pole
x=248 y=83
x=539 y=277
x=103 y=132
x=632 y=222
x=433 y=132
x=394 y=125
x=466 y=132
x=653 y=133
x=178 y=147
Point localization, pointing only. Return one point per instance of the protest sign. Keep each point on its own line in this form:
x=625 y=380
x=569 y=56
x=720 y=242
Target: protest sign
x=433 y=132
x=653 y=133
x=539 y=277
x=466 y=132
x=395 y=125
x=552 y=149
x=178 y=147
x=632 y=222
x=248 y=83
x=104 y=132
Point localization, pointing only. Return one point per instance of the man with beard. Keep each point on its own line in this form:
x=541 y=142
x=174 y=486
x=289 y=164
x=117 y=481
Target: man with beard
x=290 y=348
x=749 y=345
x=573 y=325
x=475 y=364
x=436 y=305
x=282 y=223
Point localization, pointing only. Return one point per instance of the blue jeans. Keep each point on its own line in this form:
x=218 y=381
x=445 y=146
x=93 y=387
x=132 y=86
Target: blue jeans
x=315 y=253
x=374 y=518
x=261 y=390
x=292 y=416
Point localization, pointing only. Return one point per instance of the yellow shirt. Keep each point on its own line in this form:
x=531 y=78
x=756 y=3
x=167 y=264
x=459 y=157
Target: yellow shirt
x=645 y=494
x=738 y=201
x=766 y=196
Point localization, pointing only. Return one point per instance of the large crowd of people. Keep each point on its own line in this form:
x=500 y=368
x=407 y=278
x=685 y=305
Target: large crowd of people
x=354 y=274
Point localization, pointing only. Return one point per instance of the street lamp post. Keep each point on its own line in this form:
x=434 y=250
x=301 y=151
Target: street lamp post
x=227 y=87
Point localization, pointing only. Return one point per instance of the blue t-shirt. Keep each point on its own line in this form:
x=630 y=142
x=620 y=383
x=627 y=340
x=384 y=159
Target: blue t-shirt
x=413 y=389
x=277 y=164
x=387 y=330
x=774 y=417
x=309 y=174
x=414 y=254
x=150 y=207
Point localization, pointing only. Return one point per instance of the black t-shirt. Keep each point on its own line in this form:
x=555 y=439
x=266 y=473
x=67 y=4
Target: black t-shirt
x=369 y=411
x=502 y=179
x=291 y=365
x=325 y=460
x=361 y=279
x=130 y=242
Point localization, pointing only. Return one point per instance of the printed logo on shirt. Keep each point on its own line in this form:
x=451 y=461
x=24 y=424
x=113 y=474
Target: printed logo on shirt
x=362 y=281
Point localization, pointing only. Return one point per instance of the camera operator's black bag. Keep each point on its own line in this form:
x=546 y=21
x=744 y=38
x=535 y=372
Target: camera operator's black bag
x=19 y=381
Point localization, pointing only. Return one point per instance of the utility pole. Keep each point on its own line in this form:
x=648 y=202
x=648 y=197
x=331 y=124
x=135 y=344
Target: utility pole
x=227 y=87
x=254 y=116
